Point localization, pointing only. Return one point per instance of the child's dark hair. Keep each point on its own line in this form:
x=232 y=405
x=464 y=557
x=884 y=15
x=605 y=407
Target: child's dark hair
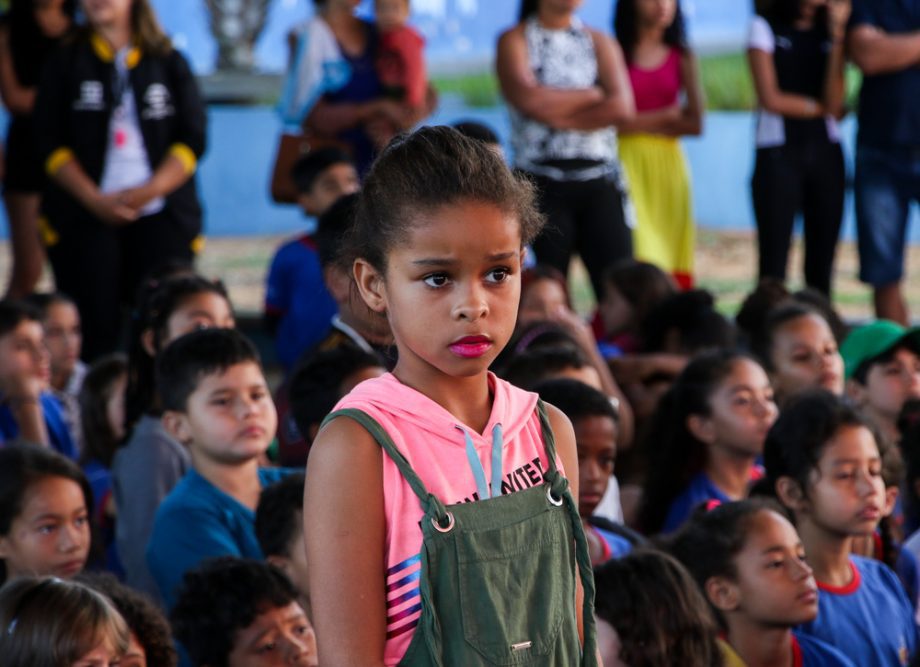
x=50 y=622
x=12 y=313
x=185 y=361
x=221 y=597
x=44 y=300
x=786 y=12
x=21 y=466
x=144 y=619
x=692 y=316
x=576 y=399
x=709 y=541
x=797 y=439
x=659 y=614
x=478 y=131
x=278 y=516
x=332 y=228
x=99 y=442
x=309 y=167
x=426 y=170
x=316 y=382
x=642 y=284
x=534 y=366
x=157 y=301
x=677 y=456
x=626 y=28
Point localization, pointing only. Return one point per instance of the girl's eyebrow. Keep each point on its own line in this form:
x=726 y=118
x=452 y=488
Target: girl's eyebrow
x=501 y=255
x=434 y=261
x=857 y=461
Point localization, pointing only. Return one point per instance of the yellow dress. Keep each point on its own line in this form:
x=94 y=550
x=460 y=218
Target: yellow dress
x=659 y=187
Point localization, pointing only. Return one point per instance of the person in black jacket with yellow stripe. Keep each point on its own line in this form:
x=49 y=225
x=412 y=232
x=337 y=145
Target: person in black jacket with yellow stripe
x=121 y=126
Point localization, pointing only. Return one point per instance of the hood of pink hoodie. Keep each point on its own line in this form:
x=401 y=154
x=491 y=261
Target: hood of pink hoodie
x=511 y=407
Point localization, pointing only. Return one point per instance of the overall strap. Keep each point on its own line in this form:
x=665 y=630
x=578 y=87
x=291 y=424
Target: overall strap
x=549 y=440
x=386 y=443
x=559 y=486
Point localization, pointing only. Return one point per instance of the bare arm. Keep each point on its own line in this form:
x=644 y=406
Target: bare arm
x=838 y=13
x=618 y=104
x=565 y=448
x=330 y=119
x=769 y=95
x=344 y=527
x=172 y=172
x=72 y=178
x=520 y=88
x=675 y=121
x=876 y=52
x=17 y=98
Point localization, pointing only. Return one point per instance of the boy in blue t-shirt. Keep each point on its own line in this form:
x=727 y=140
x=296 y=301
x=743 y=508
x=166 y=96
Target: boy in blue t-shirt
x=596 y=425
x=298 y=307
x=217 y=403
x=28 y=410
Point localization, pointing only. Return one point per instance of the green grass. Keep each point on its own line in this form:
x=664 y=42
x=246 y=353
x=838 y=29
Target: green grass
x=726 y=81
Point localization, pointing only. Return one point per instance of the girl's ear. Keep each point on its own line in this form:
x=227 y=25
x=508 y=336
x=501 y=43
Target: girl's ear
x=701 y=428
x=147 y=342
x=857 y=392
x=370 y=285
x=790 y=494
x=722 y=593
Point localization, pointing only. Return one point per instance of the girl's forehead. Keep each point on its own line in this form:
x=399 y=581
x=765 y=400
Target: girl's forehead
x=463 y=224
x=850 y=442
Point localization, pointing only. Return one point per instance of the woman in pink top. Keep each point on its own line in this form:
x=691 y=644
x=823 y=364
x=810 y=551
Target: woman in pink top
x=437 y=247
x=669 y=104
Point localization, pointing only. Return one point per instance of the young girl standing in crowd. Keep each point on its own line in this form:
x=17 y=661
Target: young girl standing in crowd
x=706 y=437
x=150 y=463
x=824 y=465
x=29 y=32
x=662 y=68
x=121 y=127
x=796 y=55
x=45 y=508
x=750 y=564
x=437 y=244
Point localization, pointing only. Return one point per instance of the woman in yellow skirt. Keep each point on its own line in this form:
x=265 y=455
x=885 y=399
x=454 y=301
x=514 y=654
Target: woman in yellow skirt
x=669 y=104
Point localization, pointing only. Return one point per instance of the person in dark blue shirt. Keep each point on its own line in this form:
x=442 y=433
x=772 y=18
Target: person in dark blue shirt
x=884 y=42
x=298 y=305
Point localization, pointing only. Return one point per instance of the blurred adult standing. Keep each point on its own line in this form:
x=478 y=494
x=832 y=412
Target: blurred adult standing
x=567 y=88
x=665 y=81
x=351 y=105
x=796 y=55
x=121 y=127
x=29 y=31
x=884 y=42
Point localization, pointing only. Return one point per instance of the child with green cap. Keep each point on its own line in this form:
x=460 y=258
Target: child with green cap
x=882 y=371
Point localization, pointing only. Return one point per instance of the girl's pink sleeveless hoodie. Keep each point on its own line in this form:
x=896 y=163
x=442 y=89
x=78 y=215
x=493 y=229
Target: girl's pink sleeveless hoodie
x=434 y=444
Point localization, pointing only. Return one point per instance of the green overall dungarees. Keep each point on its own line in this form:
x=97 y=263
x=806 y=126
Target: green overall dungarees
x=498 y=575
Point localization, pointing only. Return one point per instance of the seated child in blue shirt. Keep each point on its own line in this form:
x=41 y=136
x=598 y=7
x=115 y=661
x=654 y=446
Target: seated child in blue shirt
x=28 y=410
x=824 y=464
x=298 y=307
x=279 y=529
x=216 y=403
x=595 y=422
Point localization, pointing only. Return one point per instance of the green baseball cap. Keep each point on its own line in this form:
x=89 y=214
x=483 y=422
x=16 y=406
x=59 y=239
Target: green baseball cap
x=873 y=339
